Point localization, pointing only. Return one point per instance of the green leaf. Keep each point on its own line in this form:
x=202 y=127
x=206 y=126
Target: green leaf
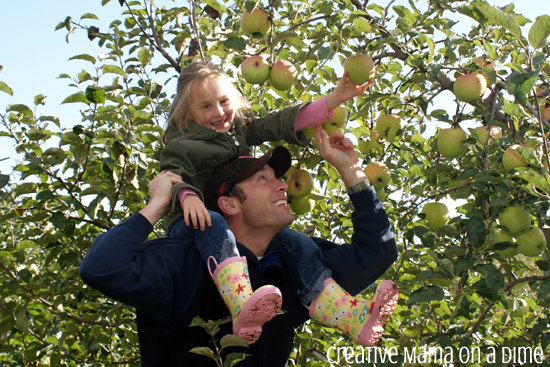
x=89 y=16
x=231 y=340
x=284 y=36
x=5 y=88
x=21 y=108
x=84 y=57
x=145 y=55
x=535 y=178
x=520 y=84
x=426 y=294
x=233 y=358
x=540 y=31
x=362 y=25
x=236 y=43
x=95 y=95
x=498 y=17
x=204 y=351
x=113 y=69
x=77 y=97
x=4 y=179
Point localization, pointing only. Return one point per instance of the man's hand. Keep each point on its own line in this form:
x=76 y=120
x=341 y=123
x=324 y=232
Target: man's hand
x=194 y=208
x=344 y=91
x=160 y=194
x=340 y=152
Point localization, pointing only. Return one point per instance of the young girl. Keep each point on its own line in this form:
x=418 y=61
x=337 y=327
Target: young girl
x=210 y=122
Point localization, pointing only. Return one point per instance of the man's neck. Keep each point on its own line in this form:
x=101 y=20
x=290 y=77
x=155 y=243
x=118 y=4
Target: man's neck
x=255 y=242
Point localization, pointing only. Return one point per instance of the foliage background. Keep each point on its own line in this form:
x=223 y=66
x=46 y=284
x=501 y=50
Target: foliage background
x=76 y=180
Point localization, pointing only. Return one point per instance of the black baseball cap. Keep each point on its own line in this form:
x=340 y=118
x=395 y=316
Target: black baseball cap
x=228 y=174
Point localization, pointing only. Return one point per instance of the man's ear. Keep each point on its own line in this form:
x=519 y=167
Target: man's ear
x=228 y=205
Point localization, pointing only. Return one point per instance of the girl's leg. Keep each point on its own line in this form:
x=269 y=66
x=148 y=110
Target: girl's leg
x=249 y=309
x=304 y=258
x=216 y=241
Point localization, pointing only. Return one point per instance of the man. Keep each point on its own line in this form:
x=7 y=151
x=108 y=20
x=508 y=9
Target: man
x=169 y=284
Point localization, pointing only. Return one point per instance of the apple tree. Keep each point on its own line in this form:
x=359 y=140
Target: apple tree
x=468 y=276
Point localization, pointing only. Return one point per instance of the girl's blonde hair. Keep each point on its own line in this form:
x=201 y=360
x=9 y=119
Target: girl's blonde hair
x=193 y=77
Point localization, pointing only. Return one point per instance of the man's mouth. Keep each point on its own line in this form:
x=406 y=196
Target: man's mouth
x=281 y=202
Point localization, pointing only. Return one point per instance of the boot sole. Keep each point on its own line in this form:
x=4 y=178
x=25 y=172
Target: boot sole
x=384 y=304
x=263 y=305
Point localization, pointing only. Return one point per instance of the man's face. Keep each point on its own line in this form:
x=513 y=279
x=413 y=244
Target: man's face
x=266 y=204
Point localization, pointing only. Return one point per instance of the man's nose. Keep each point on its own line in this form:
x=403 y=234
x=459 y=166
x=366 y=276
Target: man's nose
x=281 y=186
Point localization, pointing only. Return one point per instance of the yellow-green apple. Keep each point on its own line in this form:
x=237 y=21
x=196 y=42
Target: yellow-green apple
x=255 y=69
x=546 y=113
x=300 y=183
x=309 y=132
x=301 y=205
x=381 y=193
x=483 y=133
x=378 y=174
x=388 y=126
x=338 y=120
x=470 y=87
x=437 y=215
x=282 y=75
x=520 y=308
x=502 y=235
x=255 y=22
x=460 y=193
x=367 y=143
x=360 y=68
x=532 y=242
x=512 y=160
x=515 y=218
x=450 y=142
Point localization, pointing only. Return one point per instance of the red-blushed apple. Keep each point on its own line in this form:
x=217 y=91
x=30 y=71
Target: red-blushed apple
x=282 y=75
x=338 y=120
x=515 y=218
x=437 y=215
x=388 y=126
x=512 y=160
x=368 y=143
x=255 y=22
x=300 y=183
x=378 y=174
x=532 y=242
x=255 y=70
x=360 y=68
x=470 y=87
x=450 y=142
x=546 y=114
x=483 y=133
x=301 y=205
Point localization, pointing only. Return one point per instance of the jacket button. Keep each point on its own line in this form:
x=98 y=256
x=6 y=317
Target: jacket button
x=214 y=161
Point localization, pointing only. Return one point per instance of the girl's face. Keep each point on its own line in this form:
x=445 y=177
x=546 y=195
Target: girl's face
x=211 y=105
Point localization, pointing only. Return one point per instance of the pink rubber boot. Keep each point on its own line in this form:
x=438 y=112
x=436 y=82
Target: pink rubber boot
x=362 y=320
x=249 y=310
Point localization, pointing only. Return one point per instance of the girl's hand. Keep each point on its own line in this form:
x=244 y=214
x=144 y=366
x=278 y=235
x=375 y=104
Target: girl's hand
x=344 y=91
x=194 y=208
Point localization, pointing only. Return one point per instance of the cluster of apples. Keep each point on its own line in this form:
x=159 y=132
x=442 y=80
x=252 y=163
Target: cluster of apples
x=256 y=70
x=529 y=240
x=300 y=185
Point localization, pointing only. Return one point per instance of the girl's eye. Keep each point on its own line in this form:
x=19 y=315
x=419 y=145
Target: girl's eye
x=205 y=106
x=224 y=101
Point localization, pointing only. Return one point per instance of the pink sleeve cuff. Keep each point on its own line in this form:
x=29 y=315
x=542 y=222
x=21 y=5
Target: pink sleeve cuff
x=182 y=193
x=312 y=114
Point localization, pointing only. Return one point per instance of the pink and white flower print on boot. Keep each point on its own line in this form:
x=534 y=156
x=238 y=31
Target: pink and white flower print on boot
x=362 y=320
x=249 y=310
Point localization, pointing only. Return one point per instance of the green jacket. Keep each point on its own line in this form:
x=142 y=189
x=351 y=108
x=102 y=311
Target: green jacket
x=194 y=155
